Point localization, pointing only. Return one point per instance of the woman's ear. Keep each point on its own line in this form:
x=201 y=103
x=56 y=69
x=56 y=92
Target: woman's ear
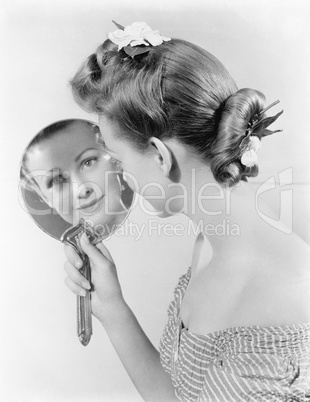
x=164 y=155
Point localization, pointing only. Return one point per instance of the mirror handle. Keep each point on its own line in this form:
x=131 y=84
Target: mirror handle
x=84 y=318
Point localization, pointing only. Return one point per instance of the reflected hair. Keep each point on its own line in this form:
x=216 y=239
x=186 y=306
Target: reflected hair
x=176 y=90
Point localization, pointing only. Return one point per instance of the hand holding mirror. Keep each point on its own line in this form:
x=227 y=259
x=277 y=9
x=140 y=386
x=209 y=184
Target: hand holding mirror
x=69 y=184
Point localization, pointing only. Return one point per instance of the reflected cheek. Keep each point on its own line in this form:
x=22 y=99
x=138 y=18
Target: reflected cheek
x=61 y=201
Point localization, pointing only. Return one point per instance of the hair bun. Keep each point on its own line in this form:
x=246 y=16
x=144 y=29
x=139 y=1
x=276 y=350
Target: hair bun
x=236 y=114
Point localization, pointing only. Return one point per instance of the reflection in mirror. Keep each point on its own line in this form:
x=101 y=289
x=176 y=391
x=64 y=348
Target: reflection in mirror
x=69 y=184
x=66 y=174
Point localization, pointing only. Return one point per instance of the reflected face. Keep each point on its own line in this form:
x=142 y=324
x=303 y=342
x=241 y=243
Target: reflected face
x=76 y=176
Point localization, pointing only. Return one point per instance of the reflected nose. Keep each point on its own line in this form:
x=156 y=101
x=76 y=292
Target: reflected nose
x=85 y=192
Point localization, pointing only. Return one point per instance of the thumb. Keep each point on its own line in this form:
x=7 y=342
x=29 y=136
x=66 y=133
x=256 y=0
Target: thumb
x=93 y=253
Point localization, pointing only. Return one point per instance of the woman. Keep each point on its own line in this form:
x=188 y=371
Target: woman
x=63 y=167
x=239 y=325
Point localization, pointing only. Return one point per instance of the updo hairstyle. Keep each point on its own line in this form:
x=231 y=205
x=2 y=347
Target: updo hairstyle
x=176 y=90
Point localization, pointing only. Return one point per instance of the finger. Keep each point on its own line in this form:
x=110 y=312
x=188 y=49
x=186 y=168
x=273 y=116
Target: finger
x=94 y=254
x=76 y=276
x=74 y=287
x=100 y=246
x=73 y=256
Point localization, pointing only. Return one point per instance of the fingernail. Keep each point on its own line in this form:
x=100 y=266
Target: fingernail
x=83 y=293
x=78 y=263
x=85 y=238
x=86 y=285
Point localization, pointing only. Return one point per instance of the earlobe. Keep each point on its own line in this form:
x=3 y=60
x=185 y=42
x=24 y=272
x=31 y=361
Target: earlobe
x=164 y=156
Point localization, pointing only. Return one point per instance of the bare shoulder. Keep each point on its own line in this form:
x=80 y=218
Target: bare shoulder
x=277 y=290
x=284 y=287
x=295 y=261
x=272 y=289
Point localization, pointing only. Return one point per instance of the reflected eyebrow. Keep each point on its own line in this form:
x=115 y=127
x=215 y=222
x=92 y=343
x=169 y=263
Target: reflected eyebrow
x=57 y=171
x=81 y=154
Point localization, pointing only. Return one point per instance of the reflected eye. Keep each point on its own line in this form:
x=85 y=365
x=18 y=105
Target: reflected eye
x=56 y=181
x=88 y=163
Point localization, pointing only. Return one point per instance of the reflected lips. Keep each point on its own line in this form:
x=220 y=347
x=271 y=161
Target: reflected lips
x=91 y=204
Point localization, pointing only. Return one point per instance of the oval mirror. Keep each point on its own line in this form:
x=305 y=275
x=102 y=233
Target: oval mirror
x=69 y=184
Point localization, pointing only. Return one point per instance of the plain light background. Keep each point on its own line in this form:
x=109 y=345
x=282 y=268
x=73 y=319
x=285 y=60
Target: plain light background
x=263 y=44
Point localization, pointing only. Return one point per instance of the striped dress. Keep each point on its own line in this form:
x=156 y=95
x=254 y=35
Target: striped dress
x=237 y=364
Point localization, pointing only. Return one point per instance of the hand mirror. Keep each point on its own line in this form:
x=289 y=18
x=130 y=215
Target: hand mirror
x=69 y=184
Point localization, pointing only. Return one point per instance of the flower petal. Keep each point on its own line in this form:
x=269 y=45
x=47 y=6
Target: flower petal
x=124 y=42
x=136 y=34
x=133 y=31
x=142 y=25
x=254 y=143
x=116 y=36
x=249 y=158
x=154 y=39
x=165 y=38
x=137 y=42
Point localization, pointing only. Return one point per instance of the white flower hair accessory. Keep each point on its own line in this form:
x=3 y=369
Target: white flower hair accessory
x=249 y=156
x=136 y=38
x=257 y=129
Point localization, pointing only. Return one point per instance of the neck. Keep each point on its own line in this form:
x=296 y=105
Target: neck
x=226 y=216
